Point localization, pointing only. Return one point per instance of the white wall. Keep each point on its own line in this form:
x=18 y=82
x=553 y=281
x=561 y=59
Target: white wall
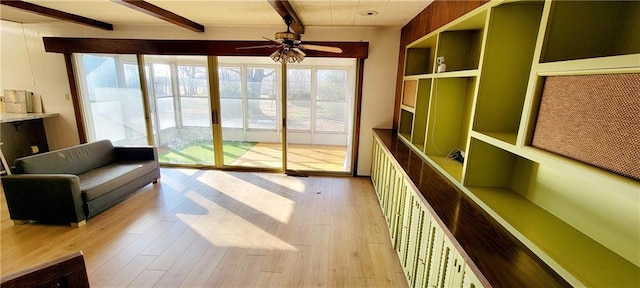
x=25 y=66
x=16 y=66
x=49 y=72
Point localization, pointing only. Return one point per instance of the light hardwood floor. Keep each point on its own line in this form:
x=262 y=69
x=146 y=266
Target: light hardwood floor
x=207 y=228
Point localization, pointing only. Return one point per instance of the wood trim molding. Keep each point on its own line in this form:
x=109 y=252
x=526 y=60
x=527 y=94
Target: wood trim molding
x=75 y=98
x=57 y=14
x=359 y=50
x=155 y=11
x=436 y=15
x=356 y=138
x=284 y=8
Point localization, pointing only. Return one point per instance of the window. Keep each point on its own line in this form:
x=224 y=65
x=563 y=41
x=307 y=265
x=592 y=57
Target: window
x=111 y=98
x=318 y=98
x=299 y=99
x=249 y=94
x=230 y=81
x=331 y=100
x=131 y=75
x=163 y=92
x=194 y=95
x=262 y=101
x=162 y=80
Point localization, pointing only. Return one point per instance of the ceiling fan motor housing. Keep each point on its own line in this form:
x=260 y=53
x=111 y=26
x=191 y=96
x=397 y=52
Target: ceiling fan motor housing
x=290 y=36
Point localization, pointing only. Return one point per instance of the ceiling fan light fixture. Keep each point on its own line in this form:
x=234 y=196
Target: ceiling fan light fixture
x=277 y=56
x=287 y=55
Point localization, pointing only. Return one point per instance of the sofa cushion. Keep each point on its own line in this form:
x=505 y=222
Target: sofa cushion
x=103 y=180
x=73 y=160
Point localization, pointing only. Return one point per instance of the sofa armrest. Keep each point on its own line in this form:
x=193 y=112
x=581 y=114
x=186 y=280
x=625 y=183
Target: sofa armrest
x=49 y=198
x=136 y=153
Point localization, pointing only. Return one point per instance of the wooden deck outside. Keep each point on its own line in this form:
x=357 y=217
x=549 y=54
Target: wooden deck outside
x=300 y=157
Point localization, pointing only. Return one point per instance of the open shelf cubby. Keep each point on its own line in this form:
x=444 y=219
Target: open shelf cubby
x=509 y=48
x=406 y=124
x=526 y=197
x=421 y=112
x=449 y=118
x=420 y=57
x=461 y=44
x=460 y=49
x=589 y=29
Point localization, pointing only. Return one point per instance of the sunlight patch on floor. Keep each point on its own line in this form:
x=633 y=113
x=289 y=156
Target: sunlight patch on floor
x=230 y=230
x=255 y=197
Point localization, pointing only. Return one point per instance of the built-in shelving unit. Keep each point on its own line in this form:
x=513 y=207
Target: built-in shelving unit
x=572 y=215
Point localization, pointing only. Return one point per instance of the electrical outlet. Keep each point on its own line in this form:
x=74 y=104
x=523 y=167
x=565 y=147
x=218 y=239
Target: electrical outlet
x=67 y=97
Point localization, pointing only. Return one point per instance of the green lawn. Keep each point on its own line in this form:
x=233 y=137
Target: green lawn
x=202 y=153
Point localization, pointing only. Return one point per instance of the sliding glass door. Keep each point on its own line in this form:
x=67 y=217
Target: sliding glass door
x=179 y=98
x=250 y=109
x=320 y=114
x=242 y=123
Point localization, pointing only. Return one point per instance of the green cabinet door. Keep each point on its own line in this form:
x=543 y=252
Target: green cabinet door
x=424 y=252
x=435 y=255
x=401 y=225
x=406 y=225
x=417 y=220
x=375 y=158
x=469 y=279
x=396 y=211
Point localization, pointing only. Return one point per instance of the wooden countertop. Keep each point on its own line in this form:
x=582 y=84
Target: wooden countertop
x=499 y=256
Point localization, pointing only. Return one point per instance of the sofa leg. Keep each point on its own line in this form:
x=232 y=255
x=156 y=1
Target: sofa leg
x=79 y=224
x=20 y=222
x=156 y=181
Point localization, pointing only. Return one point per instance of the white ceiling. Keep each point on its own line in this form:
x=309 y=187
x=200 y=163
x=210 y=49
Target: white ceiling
x=312 y=13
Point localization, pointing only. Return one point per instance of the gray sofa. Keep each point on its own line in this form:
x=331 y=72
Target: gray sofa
x=73 y=184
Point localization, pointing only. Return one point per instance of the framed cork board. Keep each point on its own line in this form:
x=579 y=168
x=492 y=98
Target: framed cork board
x=409 y=93
x=594 y=119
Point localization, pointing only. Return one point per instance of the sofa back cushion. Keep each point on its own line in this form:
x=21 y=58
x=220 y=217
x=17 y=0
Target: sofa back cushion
x=73 y=160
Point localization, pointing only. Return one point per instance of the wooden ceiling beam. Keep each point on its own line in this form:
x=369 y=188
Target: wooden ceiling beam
x=358 y=50
x=155 y=11
x=57 y=14
x=284 y=8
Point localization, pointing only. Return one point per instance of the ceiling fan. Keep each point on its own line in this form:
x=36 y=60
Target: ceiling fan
x=290 y=46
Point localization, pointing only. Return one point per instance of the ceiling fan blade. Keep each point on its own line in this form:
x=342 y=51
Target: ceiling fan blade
x=274 y=41
x=321 y=48
x=259 y=46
